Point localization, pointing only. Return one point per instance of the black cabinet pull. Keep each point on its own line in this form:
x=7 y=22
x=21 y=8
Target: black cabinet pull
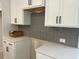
x=7 y=49
x=60 y=20
x=57 y=20
x=15 y=20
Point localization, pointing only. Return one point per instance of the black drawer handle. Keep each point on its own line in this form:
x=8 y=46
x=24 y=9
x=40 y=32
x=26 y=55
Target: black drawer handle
x=15 y=20
x=60 y=20
x=57 y=20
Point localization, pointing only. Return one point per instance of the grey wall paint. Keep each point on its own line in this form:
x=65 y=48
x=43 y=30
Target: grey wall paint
x=6 y=20
x=38 y=30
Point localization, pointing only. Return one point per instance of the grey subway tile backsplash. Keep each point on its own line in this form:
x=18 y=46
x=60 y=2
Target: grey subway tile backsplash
x=38 y=30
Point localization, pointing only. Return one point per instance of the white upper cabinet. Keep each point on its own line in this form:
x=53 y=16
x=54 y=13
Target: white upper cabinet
x=62 y=13
x=68 y=13
x=36 y=3
x=52 y=12
x=18 y=15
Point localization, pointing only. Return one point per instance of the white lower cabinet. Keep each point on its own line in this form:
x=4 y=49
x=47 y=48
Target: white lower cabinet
x=41 y=56
x=8 y=51
x=17 y=50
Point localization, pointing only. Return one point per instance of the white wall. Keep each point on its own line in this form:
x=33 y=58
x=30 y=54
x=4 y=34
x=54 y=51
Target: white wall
x=6 y=26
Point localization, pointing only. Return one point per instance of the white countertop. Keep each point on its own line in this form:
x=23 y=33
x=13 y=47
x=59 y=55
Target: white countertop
x=13 y=40
x=59 y=51
x=35 y=42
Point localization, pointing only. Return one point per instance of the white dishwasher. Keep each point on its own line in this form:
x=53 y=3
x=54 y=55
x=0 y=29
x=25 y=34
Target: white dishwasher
x=17 y=49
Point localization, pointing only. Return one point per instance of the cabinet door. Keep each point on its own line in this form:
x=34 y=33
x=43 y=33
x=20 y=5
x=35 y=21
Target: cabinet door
x=17 y=14
x=4 y=51
x=52 y=12
x=68 y=17
x=19 y=8
x=23 y=18
x=41 y=56
x=8 y=52
x=20 y=18
x=11 y=53
x=13 y=12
